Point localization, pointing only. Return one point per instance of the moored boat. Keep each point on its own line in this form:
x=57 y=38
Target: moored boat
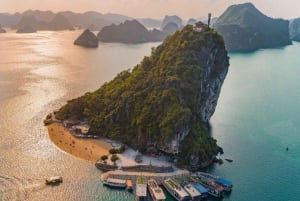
x=156 y=192
x=213 y=188
x=225 y=183
x=116 y=183
x=54 y=180
x=192 y=191
x=129 y=185
x=176 y=190
x=141 y=189
x=201 y=189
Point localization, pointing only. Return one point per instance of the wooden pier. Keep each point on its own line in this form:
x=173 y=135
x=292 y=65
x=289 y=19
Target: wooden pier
x=159 y=177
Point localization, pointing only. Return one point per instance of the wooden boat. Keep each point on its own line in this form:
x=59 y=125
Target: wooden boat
x=141 y=189
x=116 y=183
x=129 y=185
x=201 y=189
x=176 y=190
x=156 y=192
x=54 y=180
x=225 y=183
x=213 y=188
x=192 y=191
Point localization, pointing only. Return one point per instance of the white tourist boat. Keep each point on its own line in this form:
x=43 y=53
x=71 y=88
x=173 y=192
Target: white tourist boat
x=141 y=189
x=117 y=183
x=192 y=191
x=156 y=192
x=54 y=180
x=176 y=190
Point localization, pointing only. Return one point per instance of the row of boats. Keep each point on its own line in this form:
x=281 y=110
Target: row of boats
x=198 y=186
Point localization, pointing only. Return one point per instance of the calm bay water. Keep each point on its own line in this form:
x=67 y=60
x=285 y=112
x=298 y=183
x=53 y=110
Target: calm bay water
x=257 y=117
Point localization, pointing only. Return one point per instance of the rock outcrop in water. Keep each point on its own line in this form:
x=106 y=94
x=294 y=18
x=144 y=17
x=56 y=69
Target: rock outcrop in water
x=131 y=31
x=245 y=28
x=87 y=39
x=26 y=29
x=165 y=102
x=2 y=30
x=295 y=30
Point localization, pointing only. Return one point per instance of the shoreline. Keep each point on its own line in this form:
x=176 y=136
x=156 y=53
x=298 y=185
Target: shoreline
x=88 y=149
x=92 y=149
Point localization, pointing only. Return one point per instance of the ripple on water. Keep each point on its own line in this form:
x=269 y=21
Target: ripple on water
x=13 y=188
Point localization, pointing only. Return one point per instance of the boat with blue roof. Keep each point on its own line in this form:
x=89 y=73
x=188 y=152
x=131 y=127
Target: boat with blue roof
x=225 y=183
x=201 y=189
x=213 y=188
x=192 y=191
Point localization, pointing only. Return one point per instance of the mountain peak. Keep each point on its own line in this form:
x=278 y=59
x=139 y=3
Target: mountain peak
x=165 y=101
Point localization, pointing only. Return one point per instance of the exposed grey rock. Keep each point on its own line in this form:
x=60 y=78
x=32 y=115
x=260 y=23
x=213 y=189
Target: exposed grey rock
x=245 y=28
x=87 y=39
x=295 y=30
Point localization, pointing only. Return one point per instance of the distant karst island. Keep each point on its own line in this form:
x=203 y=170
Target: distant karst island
x=245 y=28
x=26 y=29
x=295 y=29
x=59 y=22
x=131 y=31
x=87 y=39
x=165 y=102
x=2 y=30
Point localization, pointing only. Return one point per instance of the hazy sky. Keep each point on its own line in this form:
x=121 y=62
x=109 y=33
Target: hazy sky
x=154 y=8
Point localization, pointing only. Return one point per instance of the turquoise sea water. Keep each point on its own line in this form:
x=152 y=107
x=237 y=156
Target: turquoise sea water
x=257 y=117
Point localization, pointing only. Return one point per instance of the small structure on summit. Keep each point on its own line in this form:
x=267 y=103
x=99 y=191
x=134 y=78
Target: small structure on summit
x=199 y=26
x=209 y=19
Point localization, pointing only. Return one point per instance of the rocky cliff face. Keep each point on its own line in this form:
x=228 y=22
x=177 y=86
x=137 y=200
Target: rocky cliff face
x=214 y=63
x=166 y=101
x=295 y=30
x=245 y=28
x=87 y=39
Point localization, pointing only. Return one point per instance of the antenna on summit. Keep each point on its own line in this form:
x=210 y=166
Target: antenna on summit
x=209 y=18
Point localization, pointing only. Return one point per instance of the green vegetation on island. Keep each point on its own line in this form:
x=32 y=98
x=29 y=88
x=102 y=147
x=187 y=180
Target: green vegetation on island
x=165 y=102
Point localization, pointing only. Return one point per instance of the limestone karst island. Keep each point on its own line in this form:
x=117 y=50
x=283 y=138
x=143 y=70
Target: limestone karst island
x=165 y=102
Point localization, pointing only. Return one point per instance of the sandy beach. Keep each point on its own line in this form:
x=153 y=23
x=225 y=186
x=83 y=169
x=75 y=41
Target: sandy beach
x=92 y=149
x=88 y=149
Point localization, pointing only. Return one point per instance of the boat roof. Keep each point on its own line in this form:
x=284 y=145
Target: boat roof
x=141 y=180
x=118 y=181
x=157 y=191
x=200 y=188
x=224 y=181
x=55 y=177
x=176 y=187
x=129 y=182
x=191 y=190
x=141 y=190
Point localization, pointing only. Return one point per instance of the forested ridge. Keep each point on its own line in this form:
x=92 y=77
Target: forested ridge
x=157 y=101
